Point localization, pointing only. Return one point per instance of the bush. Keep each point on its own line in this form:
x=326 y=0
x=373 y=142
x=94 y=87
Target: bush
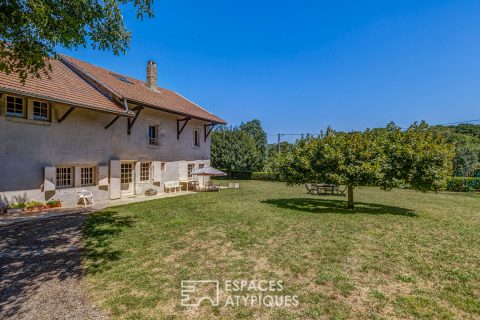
x=267 y=176
x=33 y=204
x=247 y=175
x=19 y=205
x=462 y=184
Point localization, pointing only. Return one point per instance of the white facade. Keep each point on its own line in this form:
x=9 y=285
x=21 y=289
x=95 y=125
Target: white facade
x=42 y=160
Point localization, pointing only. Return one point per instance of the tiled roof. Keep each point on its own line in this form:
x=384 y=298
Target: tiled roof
x=64 y=86
x=136 y=91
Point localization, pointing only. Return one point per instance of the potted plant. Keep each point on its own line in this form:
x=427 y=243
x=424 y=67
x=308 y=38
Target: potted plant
x=54 y=203
x=34 y=206
x=16 y=207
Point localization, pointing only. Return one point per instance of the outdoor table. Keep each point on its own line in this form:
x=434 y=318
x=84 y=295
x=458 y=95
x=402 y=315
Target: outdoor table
x=187 y=183
x=325 y=186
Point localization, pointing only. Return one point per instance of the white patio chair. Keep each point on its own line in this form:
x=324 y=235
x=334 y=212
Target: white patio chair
x=86 y=196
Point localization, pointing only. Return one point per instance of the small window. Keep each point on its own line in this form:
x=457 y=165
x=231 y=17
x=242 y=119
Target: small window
x=145 y=171
x=191 y=167
x=201 y=165
x=87 y=176
x=162 y=166
x=196 y=137
x=40 y=110
x=64 y=177
x=153 y=135
x=15 y=107
x=121 y=78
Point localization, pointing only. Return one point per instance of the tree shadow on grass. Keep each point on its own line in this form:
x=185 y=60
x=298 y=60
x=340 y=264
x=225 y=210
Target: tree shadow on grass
x=337 y=206
x=100 y=230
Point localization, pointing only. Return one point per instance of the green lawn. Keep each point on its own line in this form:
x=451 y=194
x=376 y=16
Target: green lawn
x=399 y=254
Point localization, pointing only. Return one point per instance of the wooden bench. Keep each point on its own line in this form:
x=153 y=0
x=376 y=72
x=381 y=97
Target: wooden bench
x=172 y=185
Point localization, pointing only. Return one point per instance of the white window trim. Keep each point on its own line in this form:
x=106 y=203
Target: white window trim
x=149 y=172
x=189 y=174
x=157 y=139
x=72 y=176
x=93 y=176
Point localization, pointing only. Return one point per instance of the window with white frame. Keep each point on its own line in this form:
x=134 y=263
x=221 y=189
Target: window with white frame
x=126 y=173
x=196 y=137
x=40 y=110
x=15 y=107
x=153 y=135
x=145 y=168
x=64 y=177
x=201 y=165
x=190 y=168
x=87 y=176
x=162 y=166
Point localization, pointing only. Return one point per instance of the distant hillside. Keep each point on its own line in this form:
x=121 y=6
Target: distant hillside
x=466 y=138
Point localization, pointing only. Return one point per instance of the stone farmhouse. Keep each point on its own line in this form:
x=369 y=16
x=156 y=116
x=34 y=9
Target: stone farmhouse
x=89 y=128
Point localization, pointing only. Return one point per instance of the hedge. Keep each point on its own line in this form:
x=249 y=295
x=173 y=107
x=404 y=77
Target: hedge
x=267 y=176
x=461 y=184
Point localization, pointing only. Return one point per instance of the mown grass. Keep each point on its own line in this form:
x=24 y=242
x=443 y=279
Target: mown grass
x=399 y=254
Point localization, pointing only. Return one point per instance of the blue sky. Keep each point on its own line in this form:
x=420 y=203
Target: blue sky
x=300 y=66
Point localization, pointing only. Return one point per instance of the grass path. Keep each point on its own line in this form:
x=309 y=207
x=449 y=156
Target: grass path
x=400 y=254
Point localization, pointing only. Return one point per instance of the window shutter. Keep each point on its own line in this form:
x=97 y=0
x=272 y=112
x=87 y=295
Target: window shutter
x=183 y=171
x=137 y=172
x=115 y=190
x=157 y=171
x=102 y=175
x=49 y=181
x=77 y=177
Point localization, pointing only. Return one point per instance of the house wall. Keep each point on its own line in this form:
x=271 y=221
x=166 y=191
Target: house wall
x=28 y=146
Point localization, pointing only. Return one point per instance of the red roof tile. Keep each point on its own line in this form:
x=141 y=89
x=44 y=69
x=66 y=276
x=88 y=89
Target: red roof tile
x=136 y=91
x=64 y=85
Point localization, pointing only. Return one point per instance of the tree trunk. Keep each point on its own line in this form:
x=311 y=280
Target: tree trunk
x=350 y=198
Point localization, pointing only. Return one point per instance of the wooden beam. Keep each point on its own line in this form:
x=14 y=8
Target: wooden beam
x=132 y=122
x=179 y=130
x=111 y=122
x=207 y=132
x=66 y=115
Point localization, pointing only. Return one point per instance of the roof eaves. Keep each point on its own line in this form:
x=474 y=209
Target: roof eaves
x=64 y=101
x=168 y=110
x=178 y=94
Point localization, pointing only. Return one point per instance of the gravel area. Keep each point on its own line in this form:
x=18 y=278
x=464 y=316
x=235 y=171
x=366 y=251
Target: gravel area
x=40 y=270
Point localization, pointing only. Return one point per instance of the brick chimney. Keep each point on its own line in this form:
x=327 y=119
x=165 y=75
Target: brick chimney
x=152 y=75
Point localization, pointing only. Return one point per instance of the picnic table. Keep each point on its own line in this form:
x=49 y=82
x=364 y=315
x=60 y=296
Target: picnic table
x=324 y=188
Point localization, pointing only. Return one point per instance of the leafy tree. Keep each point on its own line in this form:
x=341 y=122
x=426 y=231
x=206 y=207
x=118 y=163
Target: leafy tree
x=254 y=129
x=233 y=150
x=387 y=157
x=31 y=30
x=466 y=138
x=466 y=160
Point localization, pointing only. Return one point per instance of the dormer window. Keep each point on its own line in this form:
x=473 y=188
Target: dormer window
x=15 y=107
x=40 y=110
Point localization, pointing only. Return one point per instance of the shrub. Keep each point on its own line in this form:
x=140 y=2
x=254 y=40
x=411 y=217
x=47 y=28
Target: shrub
x=19 y=205
x=33 y=204
x=267 y=176
x=462 y=184
x=54 y=203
